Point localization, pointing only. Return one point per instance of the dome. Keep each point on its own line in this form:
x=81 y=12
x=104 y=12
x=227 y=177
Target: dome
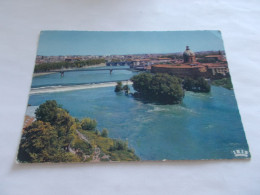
x=188 y=52
x=189 y=56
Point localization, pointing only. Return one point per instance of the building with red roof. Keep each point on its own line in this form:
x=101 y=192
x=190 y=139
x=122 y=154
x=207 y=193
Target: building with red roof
x=191 y=68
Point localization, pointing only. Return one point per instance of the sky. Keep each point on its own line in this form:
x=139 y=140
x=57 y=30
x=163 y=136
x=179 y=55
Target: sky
x=54 y=43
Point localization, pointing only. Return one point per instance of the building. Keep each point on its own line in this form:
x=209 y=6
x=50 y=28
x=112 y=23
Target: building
x=191 y=68
x=189 y=56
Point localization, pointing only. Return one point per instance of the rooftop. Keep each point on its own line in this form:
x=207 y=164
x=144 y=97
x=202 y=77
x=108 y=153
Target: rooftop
x=177 y=66
x=200 y=65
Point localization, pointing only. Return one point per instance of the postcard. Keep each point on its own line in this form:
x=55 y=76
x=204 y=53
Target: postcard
x=100 y=96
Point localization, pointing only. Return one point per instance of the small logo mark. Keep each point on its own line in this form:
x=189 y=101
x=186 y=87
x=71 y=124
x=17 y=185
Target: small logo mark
x=240 y=153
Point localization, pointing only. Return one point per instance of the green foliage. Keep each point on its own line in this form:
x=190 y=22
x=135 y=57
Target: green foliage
x=41 y=143
x=104 y=133
x=88 y=124
x=162 y=88
x=59 y=118
x=119 y=145
x=83 y=146
x=142 y=82
x=59 y=65
x=196 y=85
x=123 y=155
x=207 y=60
x=52 y=136
x=103 y=143
x=119 y=86
x=225 y=82
x=116 y=149
x=47 y=112
x=120 y=151
x=97 y=132
x=126 y=89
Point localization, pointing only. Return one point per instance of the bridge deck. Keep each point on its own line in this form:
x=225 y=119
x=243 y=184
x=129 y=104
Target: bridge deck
x=90 y=69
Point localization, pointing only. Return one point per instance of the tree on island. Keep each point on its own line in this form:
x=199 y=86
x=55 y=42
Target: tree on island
x=126 y=89
x=162 y=88
x=119 y=86
x=196 y=85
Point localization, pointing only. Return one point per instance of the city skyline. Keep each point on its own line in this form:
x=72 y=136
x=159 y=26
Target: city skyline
x=61 y=43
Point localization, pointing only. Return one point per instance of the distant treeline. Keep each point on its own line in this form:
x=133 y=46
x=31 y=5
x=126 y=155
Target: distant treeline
x=59 y=65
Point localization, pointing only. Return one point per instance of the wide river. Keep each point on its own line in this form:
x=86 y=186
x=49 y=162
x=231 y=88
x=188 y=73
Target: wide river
x=204 y=126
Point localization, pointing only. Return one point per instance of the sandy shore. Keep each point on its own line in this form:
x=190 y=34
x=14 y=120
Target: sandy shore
x=42 y=73
x=53 y=89
x=84 y=67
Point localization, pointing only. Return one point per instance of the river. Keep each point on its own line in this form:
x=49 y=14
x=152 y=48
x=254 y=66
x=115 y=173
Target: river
x=204 y=126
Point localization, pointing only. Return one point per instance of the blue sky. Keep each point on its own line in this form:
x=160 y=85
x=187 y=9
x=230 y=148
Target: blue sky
x=53 y=43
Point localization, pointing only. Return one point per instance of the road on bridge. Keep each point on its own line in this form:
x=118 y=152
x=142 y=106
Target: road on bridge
x=91 y=69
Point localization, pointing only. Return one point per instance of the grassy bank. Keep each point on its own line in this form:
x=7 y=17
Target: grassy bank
x=225 y=82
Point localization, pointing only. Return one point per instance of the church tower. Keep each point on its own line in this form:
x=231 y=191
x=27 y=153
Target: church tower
x=189 y=56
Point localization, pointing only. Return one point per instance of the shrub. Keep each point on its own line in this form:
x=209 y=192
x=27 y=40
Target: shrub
x=104 y=133
x=119 y=87
x=88 y=124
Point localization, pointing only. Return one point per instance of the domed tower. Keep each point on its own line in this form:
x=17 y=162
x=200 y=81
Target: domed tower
x=189 y=56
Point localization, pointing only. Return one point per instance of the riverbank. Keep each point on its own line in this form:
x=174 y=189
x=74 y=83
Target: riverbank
x=52 y=89
x=225 y=82
x=42 y=73
x=84 y=67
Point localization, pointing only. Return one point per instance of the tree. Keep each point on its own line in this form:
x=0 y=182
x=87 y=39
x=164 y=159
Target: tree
x=166 y=89
x=44 y=67
x=65 y=126
x=59 y=119
x=40 y=143
x=119 y=87
x=141 y=82
x=60 y=141
x=88 y=124
x=119 y=145
x=162 y=88
x=126 y=89
x=47 y=111
x=202 y=85
x=104 y=133
x=188 y=84
x=97 y=132
x=196 y=85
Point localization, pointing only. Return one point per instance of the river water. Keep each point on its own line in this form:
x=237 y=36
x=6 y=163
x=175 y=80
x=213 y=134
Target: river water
x=204 y=126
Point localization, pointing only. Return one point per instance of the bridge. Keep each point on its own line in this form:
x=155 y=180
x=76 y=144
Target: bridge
x=90 y=69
